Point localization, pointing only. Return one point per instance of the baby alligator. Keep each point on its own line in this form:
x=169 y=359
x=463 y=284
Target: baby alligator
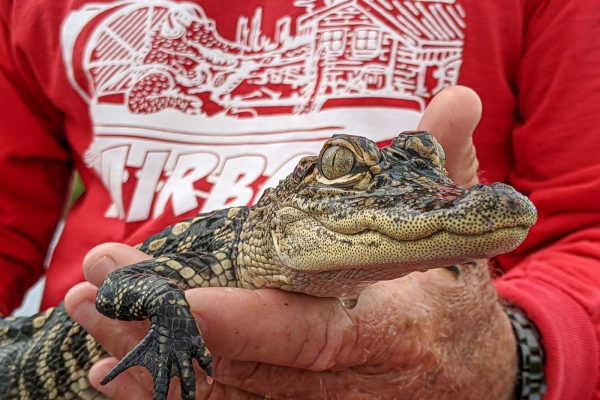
x=352 y=216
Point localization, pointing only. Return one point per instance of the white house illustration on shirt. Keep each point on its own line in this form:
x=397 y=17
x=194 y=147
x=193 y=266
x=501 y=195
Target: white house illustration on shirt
x=345 y=49
x=199 y=121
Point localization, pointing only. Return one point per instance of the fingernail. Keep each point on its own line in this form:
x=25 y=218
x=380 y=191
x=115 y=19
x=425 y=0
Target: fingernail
x=99 y=269
x=85 y=313
x=203 y=326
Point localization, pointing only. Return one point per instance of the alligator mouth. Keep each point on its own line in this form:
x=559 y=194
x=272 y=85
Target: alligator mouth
x=309 y=244
x=369 y=233
x=408 y=230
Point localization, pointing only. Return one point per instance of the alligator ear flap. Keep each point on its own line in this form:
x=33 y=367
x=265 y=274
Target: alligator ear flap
x=305 y=167
x=369 y=151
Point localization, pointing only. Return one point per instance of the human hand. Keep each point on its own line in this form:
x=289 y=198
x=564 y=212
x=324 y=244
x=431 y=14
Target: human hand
x=425 y=336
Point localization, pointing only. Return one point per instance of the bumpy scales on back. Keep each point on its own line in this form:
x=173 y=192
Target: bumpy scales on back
x=341 y=221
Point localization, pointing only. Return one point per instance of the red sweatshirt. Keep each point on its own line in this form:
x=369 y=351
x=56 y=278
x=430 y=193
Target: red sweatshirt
x=171 y=108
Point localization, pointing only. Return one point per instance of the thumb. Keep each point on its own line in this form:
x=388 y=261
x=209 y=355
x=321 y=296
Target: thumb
x=452 y=117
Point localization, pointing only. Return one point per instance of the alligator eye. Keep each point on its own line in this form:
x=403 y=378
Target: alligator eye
x=336 y=162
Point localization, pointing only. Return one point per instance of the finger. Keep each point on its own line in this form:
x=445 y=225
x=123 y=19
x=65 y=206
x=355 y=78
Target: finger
x=105 y=258
x=126 y=386
x=291 y=383
x=280 y=382
x=272 y=326
x=81 y=306
x=136 y=382
x=139 y=385
x=452 y=117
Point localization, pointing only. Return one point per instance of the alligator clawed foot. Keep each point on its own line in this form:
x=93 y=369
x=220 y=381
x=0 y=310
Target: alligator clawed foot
x=167 y=351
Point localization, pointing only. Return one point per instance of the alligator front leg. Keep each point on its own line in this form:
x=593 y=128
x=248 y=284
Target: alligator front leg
x=154 y=290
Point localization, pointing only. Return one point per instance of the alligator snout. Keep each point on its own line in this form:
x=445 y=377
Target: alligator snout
x=488 y=208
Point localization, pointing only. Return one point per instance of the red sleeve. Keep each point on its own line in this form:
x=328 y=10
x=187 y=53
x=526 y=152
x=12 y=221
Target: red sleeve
x=34 y=173
x=555 y=275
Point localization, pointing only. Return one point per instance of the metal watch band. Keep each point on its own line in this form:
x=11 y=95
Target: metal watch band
x=531 y=380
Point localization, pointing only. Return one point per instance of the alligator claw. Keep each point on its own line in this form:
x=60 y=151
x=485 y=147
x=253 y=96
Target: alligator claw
x=167 y=351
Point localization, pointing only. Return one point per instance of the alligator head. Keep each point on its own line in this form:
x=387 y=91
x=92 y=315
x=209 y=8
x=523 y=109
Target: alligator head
x=361 y=213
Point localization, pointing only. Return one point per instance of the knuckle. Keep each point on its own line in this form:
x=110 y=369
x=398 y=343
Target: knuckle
x=340 y=332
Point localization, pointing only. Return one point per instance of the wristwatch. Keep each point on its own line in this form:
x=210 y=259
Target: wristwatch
x=531 y=380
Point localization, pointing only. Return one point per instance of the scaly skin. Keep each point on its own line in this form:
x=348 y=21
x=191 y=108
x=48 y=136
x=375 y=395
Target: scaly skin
x=350 y=217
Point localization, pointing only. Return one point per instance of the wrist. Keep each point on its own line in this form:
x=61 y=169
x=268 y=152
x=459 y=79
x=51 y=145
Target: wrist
x=507 y=355
x=496 y=363
x=480 y=361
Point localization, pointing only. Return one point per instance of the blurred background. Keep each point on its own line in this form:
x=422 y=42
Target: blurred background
x=31 y=303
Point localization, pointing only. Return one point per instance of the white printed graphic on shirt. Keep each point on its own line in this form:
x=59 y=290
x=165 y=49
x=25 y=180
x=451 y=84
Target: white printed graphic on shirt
x=186 y=118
